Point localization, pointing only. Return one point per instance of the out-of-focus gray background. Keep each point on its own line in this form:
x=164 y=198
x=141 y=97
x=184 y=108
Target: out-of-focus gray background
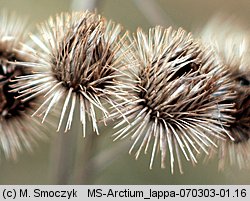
x=37 y=168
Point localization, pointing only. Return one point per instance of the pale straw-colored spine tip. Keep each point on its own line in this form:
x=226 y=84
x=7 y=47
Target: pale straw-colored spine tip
x=17 y=129
x=78 y=58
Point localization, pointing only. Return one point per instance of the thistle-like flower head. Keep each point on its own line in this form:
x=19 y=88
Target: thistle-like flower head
x=79 y=56
x=175 y=99
x=230 y=40
x=17 y=129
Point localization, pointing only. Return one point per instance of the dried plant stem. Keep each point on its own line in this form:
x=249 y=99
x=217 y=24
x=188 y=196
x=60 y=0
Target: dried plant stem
x=63 y=157
x=87 y=152
x=95 y=162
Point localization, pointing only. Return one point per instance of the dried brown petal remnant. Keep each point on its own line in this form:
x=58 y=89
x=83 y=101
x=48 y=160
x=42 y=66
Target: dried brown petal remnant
x=17 y=129
x=175 y=101
x=230 y=40
x=80 y=61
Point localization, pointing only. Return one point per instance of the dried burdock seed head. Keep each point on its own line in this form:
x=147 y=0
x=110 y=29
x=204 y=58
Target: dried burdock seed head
x=175 y=98
x=230 y=40
x=17 y=128
x=80 y=61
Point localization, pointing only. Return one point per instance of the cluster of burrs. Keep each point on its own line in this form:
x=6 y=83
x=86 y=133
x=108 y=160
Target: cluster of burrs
x=166 y=90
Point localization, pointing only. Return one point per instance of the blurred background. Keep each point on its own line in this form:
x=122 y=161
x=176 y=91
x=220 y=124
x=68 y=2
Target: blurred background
x=65 y=157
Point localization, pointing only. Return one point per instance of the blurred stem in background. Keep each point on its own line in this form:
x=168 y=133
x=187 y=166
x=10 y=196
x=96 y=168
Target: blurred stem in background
x=63 y=157
x=90 y=163
x=91 y=5
x=153 y=13
x=87 y=169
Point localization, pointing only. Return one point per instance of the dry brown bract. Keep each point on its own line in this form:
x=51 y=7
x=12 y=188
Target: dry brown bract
x=176 y=99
